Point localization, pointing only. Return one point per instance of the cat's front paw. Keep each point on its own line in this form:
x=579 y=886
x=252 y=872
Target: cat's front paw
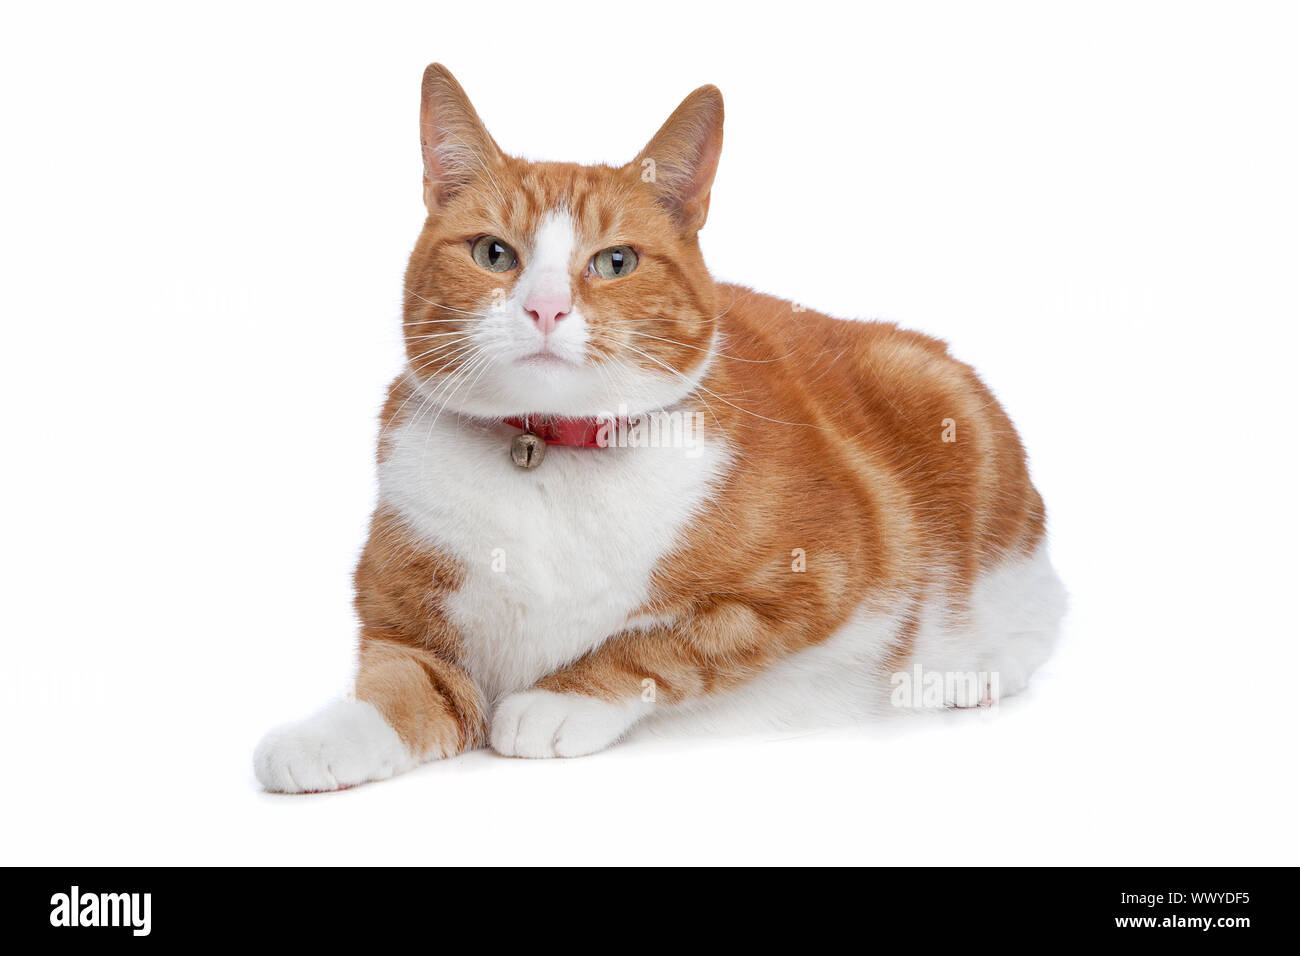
x=542 y=723
x=346 y=743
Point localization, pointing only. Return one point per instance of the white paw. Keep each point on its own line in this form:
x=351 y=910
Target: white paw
x=542 y=723
x=346 y=743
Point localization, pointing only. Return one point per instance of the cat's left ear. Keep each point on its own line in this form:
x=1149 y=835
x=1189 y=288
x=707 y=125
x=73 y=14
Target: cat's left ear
x=679 y=163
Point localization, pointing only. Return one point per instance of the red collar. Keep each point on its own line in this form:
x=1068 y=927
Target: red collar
x=573 y=432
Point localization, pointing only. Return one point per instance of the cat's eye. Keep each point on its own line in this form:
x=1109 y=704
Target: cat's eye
x=614 y=263
x=493 y=254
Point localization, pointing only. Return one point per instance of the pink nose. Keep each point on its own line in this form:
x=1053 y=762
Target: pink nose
x=547 y=308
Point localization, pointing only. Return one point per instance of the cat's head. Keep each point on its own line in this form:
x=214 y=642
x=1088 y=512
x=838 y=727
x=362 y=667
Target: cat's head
x=556 y=288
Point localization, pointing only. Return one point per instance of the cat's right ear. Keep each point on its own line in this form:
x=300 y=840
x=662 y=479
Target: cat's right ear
x=455 y=143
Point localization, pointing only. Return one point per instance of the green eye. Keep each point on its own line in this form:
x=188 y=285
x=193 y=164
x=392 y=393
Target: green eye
x=613 y=263
x=493 y=254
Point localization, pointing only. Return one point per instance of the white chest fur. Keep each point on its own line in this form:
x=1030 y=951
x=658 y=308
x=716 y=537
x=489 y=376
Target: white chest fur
x=555 y=558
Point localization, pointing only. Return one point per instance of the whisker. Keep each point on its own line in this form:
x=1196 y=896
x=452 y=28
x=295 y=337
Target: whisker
x=687 y=345
x=412 y=377
x=775 y=421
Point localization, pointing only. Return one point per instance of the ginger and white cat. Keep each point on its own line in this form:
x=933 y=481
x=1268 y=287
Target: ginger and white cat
x=835 y=502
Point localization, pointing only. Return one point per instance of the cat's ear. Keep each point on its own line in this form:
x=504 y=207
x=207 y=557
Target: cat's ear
x=455 y=143
x=679 y=163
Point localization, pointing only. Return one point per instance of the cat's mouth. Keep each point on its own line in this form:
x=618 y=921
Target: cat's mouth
x=544 y=358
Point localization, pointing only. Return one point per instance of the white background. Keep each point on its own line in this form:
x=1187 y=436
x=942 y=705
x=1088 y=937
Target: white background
x=205 y=217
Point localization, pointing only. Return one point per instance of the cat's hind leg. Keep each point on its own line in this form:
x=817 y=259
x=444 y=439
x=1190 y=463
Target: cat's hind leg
x=1014 y=621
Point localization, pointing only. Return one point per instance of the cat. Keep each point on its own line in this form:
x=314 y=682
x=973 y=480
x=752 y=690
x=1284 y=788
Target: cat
x=828 y=508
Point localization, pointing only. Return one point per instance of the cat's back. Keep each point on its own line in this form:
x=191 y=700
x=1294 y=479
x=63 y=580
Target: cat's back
x=832 y=357
x=896 y=404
